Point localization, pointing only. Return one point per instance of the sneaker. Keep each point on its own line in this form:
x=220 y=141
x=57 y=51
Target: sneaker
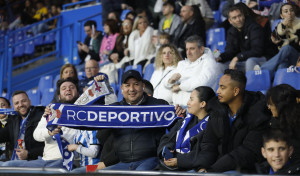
x=256 y=67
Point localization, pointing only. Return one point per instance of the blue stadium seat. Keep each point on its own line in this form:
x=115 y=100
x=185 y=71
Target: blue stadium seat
x=288 y=76
x=120 y=73
x=47 y=96
x=258 y=80
x=149 y=69
x=49 y=38
x=219 y=45
x=120 y=96
x=39 y=41
x=55 y=81
x=34 y=96
x=45 y=82
x=124 y=13
x=217 y=86
x=19 y=50
x=81 y=75
x=215 y=35
x=217 y=17
x=19 y=36
x=29 y=48
x=115 y=87
x=135 y=67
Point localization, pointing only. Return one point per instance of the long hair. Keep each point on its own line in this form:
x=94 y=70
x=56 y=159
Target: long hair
x=136 y=21
x=205 y=93
x=159 y=61
x=113 y=26
x=284 y=97
x=119 y=43
x=66 y=66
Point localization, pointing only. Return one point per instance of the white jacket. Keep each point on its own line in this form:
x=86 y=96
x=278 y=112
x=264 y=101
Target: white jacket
x=157 y=79
x=202 y=72
x=51 y=150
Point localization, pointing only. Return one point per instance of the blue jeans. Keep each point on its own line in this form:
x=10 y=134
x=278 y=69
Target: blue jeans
x=247 y=65
x=286 y=56
x=142 y=165
x=34 y=163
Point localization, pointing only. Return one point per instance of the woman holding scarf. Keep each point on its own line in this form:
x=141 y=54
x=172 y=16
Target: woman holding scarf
x=185 y=137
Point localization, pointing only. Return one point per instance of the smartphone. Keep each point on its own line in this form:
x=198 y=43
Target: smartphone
x=79 y=42
x=166 y=153
x=93 y=29
x=275 y=35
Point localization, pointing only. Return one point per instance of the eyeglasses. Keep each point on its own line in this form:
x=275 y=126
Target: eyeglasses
x=90 y=68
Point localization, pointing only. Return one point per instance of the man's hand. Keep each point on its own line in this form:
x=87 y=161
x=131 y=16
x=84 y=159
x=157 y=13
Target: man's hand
x=55 y=131
x=72 y=147
x=101 y=165
x=202 y=170
x=99 y=78
x=233 y=63
x=218 y=59
x=172 y=162
x=47 y=111
x=175 y=77
x=175 y=88
x=179 y=110
x=22 y=154
x=85 y=48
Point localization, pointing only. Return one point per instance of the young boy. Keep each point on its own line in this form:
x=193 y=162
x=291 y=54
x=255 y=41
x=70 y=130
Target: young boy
x=277 y=150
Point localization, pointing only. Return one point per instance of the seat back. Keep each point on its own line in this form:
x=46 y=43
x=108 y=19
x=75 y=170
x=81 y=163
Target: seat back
x=47 y=96
x=149 y=69
x=34 y=96
x=135 y=67
x=258 y=80
x=289 y=76
x=45 y=82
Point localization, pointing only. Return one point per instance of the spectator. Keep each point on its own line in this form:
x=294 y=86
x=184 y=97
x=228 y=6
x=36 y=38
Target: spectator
x=41 y=10
x=131 y=15
x=122 y=41
x=140 y=48
x=198 y=69
x=166 y=60
x=68 y=93
x=169 y=23
x=282 y=102
x=245 y=43
x=192 y=23
x=4 y=152
x=277 y=149
x=113 y=15
x=90 y=48
x=66 y=71
x=111 y=30
x=148 y=88
x=132 y=146
x=19 y=130
x=232 y=138
x=286 y=36
x=185 y=137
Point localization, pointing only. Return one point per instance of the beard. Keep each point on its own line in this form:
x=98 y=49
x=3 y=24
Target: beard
x=24 y=114
x=72 y=101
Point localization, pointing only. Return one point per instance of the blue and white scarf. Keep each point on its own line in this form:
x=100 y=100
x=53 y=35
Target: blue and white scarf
x=8 y=111
x=95 y=91
x=20 y=143
x=183 y=135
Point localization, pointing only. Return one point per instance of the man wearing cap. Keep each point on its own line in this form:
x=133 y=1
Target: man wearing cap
x=135 y=148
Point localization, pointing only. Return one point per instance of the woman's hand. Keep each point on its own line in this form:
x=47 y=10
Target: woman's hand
x=172 y=162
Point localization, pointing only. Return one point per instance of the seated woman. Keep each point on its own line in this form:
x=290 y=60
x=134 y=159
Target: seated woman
x=166 y=60
x=282 y=102
x=122 y=42
x=4 y=152
x=287 y=37
x=66 y=71
x=140 y=45
x=111 y=30
x=185 y=137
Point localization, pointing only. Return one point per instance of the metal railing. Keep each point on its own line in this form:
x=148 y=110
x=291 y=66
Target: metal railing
x=64 y=7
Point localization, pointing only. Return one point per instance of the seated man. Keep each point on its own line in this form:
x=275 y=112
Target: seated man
x=198 y=69
x=19 y=130
x=232 y=139
x=277 y=149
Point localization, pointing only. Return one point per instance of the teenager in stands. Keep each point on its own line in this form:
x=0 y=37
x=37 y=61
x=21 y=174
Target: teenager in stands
x=185 y=137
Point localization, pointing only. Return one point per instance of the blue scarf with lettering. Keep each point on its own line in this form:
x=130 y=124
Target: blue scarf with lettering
x=8 y=111
x=183 y=135
x=112 y=116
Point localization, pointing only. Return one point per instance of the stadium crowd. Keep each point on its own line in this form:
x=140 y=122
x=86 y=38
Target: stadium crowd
x=235 y=131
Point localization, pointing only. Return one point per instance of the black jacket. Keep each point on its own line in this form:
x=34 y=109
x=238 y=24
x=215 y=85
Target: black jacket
x=291 y=169
x=135 y=144
x=250 y=42
x=10 y=132
x=225 y=148
x=94 y=54
x=185 y=161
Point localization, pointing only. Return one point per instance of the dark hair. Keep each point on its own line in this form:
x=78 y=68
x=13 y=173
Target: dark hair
x=283 y=6
x=284 y=97
x=17 y=92
x=205 y=93
x=237 y=76
x=169 y=2
x=90 y=23
x=130 y=13
x=246 y=10
x=119 y=43
x=67 y=66
x=195 y=39
x=277 y=135
x=113 y=25
x=7 y=101
x=140 y=10
x=148 y=87
x=234 y=8
x=61 y=81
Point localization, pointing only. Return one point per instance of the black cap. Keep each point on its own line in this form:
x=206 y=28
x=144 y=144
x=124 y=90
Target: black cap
x=131 y=74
